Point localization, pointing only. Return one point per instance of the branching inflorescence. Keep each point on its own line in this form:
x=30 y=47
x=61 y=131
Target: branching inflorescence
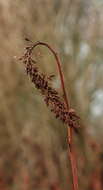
x=57 y=104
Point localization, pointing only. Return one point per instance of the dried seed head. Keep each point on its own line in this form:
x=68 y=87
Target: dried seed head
x=51 y=96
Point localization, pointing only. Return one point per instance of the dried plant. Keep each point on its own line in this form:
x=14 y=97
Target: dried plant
x=59 y=106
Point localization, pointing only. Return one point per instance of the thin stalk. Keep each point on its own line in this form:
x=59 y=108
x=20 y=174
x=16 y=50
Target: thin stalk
x=70 y=129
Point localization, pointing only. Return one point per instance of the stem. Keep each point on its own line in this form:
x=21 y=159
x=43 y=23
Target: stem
x=70 y=129
x=72 y=159
x=59 y=68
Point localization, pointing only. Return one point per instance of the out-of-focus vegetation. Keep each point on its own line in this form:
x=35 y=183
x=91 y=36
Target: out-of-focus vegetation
x=33 y=150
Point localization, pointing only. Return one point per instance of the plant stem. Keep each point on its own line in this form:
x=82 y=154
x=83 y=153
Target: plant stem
x=70 y=129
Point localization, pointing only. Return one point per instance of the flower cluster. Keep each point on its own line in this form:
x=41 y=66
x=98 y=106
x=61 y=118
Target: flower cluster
x=51 y=96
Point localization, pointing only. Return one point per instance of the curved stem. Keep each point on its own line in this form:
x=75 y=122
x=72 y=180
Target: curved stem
x=70 y=130
x=59 y=69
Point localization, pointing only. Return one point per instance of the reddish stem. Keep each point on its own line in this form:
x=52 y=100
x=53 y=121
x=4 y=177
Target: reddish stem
x=59 y=68
x=70 y=130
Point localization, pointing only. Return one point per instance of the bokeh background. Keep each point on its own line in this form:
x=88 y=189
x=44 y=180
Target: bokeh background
x=33 y=145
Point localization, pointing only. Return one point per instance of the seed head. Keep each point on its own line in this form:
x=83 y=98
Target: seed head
x=51 y=97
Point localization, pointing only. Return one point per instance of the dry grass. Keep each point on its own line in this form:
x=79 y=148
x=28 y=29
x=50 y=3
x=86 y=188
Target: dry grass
x=25 y=121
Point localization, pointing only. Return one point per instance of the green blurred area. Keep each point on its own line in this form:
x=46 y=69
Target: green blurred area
x=33 y=145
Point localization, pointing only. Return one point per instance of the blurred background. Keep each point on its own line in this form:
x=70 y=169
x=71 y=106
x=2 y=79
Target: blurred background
x=33 y=145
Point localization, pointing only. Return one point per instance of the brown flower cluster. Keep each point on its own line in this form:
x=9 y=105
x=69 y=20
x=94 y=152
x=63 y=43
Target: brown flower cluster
x=51 y=96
